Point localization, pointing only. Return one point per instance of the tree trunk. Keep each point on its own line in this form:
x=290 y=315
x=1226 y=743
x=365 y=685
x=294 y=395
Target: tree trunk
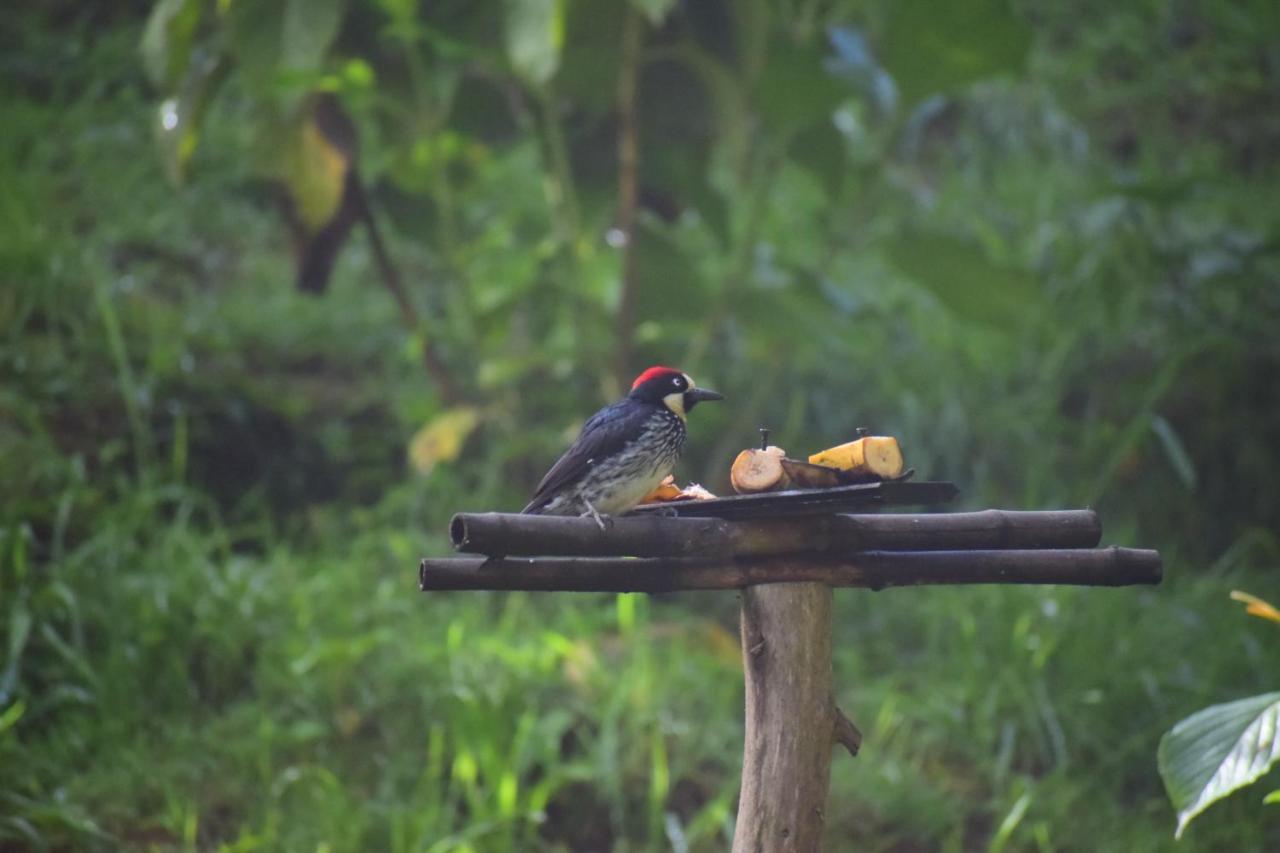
x=791 y=718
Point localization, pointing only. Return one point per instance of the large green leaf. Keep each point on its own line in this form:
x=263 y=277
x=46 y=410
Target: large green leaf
x=535 y=37
x=1218 y=750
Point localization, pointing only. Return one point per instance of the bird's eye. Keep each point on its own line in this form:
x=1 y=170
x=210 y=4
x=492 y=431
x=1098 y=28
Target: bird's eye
x=678 y=383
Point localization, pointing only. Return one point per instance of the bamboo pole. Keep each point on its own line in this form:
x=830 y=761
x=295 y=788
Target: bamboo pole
x=870 y=569
x=507 y=534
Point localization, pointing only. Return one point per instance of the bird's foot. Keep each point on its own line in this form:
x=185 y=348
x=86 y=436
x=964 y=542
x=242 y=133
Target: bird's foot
x=604 y=522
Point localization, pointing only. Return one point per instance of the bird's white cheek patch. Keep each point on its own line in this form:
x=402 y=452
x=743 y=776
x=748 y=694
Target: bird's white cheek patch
x=674 y=402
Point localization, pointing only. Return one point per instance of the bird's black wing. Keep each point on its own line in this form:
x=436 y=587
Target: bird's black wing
x=604 y=434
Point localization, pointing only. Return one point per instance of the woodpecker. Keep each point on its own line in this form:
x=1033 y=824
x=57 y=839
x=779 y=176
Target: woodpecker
x=624 y=450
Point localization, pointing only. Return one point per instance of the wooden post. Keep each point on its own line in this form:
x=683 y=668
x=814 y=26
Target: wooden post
x=791 y=718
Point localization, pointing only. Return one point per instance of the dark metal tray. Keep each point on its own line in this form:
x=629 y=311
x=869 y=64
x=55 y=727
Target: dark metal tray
x=862 y=496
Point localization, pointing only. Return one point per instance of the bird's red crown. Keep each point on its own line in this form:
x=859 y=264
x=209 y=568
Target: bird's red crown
x=653 y=373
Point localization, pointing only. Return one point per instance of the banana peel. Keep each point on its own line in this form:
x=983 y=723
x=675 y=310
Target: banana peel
x=874 y=456
x=668 y=491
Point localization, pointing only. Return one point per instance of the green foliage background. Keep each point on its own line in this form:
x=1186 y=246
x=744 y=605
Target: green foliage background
x=1039 y=242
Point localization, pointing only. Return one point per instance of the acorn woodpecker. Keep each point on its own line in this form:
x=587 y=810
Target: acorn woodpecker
x=624 y=451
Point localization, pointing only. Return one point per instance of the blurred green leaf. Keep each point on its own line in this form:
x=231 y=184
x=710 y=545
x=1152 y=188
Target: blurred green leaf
x=403 y=13
x=1009 y=825
x=535 y=36
x=9 y=718
x=750 y=22
x=254 y=37
x=167 y=40
x=855 y=63
x=797 y=91
x=820 y=150
x=357 y=74
x=963 y=278
x=654 y=10
x=178 y=117
x=20 y=622
x=1174 y=450
x=944 y=47
x=309 y=28
x=1217 y=751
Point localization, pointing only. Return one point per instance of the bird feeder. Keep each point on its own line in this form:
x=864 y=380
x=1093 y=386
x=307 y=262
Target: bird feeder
x=784 y=552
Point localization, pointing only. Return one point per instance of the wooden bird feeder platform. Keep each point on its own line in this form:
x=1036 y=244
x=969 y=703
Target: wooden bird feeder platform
x=785 y=551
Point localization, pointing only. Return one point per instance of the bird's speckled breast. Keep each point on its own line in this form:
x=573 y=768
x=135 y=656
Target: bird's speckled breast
x=616 y=485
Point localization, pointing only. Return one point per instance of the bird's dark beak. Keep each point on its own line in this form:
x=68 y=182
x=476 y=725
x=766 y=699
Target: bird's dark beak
x=694 y=396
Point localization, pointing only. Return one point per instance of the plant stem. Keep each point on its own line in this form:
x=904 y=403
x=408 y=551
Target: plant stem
x=142 y=449
x=628 y=164
x=431 y=359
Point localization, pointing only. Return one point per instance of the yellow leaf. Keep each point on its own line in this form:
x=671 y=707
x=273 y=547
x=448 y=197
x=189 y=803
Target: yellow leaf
x=441 y=439
x=723 y=644
x=580 y=664
x=315 y=174
x=348 y=720
x=1256 y=606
